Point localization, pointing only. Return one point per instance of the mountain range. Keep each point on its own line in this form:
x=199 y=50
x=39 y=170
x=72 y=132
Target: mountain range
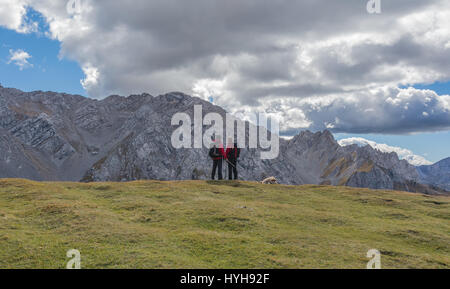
x=60 y=137
x=436 y=175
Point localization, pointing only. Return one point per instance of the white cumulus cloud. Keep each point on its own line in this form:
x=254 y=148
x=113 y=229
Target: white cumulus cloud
x=13 y=16
x=402 y=153
x=20 y=58
x=12 y=13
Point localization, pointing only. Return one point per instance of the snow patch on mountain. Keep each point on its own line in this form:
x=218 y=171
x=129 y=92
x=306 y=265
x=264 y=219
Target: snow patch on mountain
x=403 y=154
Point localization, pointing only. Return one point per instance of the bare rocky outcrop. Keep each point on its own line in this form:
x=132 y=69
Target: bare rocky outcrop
x=437 y=174
x=54 y=136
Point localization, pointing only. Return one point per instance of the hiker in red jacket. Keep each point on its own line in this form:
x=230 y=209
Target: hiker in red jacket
x=232 y=155
x=217 y=154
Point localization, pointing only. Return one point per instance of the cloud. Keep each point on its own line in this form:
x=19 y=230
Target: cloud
x=313 y=64
x=402 y=153
x=13 y=15
x=382 y=110
x=19 y=58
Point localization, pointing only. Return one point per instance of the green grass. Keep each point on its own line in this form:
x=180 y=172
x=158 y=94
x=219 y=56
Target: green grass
x=198 y=224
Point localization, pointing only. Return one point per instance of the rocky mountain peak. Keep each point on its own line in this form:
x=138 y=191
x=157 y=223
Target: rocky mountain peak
x=437 y=174
x=54 y=136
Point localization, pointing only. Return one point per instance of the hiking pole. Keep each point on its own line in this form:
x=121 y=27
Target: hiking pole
x=230 y=163
x=228 y=170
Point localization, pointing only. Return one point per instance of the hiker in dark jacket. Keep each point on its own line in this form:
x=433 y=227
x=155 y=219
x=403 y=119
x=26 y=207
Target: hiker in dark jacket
x=217 y=155
x=233 y=154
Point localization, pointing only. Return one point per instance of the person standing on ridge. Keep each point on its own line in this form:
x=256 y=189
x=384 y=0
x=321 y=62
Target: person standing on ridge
x=217 y=154
x=232 y=153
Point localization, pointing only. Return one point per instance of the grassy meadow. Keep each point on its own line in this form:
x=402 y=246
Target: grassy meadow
x=206 y=224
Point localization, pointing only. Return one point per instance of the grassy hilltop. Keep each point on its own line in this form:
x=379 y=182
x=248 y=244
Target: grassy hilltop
x=198 y=224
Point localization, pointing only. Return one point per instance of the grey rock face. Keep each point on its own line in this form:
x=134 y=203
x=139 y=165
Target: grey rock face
x=52 y=136
x=437 y=174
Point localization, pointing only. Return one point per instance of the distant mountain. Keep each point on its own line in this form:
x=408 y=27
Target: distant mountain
x=54 y=136
x=437 y=174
